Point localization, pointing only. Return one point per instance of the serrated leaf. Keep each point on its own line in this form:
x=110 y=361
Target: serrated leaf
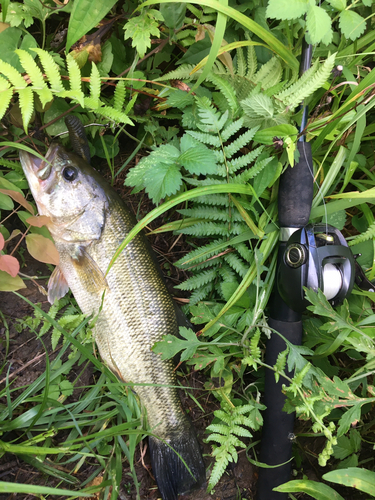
x=95 y=84
x=10 y=284
x=74 y=75
x=114 y=114
x=26 y=105
x=6 y=95
x=42 y=249
x=351 y=24
x=343 y=448
x=171 y=345
x=286 y=9
x=257 y=106
x=163 y=181
x=139 y=29
x=119 y=95
x=12 y=74
x=51 y=69
x=86 y=15
x=318 y=23
x=196 y=157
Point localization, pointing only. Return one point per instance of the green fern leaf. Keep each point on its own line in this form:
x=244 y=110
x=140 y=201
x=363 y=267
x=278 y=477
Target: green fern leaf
x=245 y=252
x=201 y=254
x=269 y=74
x=251 y=172
x=236 y=263
x=6 y=95
x=119 y=96
x=218 y=470
x=198 y=281
x=203 y=229
x=114 y=114
x=13 y=75
x=181 y=73
x=75 y=95
x=74 y=75
x=301 y=91
x=228 y=91
x=241 y=62
x=240 y=142
x=217 y=428
x=244 y=161
x=252 y=62
x=224 y=415
x=290 y=89
x=231 y=129
x=212 y=213
x=211 y=140
x=26 y=105
x=51 y=69
x=13 y=165
x=36 y=76
x=95 y=86
x=368 y=235
x=201 y=293
x=212 y=120
x=91 y=103
x=240 y=431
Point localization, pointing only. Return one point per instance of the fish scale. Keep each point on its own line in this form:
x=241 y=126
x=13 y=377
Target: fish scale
x=131 y=304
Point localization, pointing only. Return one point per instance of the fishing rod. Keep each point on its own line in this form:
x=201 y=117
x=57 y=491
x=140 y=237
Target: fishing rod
x=312 y=256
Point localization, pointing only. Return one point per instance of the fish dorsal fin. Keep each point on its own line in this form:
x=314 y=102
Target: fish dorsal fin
x=57 y=285
x=94 y=277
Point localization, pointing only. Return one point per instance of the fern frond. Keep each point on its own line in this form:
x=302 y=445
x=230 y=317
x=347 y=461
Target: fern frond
x=215 y=199
x=201 y=254
x=74 y=74
x=236 y=263
x=198 y=281
x=269 y=74
x=51 y=69
x=252 y=62
x=244 y=161
x=241 y=62
x=231 y=129
x=181 y=73
x=206 y=229
x=251 y=172
x=240 y=142
x=36 y=76
x=307 y=75
x=301 y=91
x=228 y=91
x=368 y=235
x=240 y=431
x=14 y=165
x=211 y=140
x=212 y=120
x=6 y=95
x=26 y=105
x=119 y=96
x=12 y=74
x=245 y=252
x=203 y=212
x=217 y=471
x=95 y=86
x=201 y=293
x=218 y=429
x=113 y=114
x=228 y=275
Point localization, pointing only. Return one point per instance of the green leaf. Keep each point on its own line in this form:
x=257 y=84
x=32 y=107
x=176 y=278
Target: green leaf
x=6 y=202
x=26 y=105
x=267 y=135
x=257 y=106
x=173 y=14
x=85 y=16
x=171 y=345
x=360 y=479
x=163 y=181
x=10 y=40
x=51 y=69
x=196 y=157
x=316 y=490
x=38 y=490
x=336 y=219
x=140 y=29
x=10 y=284
x=318 y=24
x=352 y=24
x=286 y=9
x=338 y=4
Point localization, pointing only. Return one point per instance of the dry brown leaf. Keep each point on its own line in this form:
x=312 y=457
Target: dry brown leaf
x=38 y=220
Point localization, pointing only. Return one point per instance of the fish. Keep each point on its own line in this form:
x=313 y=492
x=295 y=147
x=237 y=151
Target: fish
x=132 y=306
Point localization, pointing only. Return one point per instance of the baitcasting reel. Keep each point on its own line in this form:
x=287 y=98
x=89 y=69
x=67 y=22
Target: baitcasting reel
x=316 y=256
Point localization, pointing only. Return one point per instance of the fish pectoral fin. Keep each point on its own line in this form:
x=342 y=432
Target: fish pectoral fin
x=94 y=277
x=57 y=285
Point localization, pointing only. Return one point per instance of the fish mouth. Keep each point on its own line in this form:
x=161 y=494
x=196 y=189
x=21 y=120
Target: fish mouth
x=40 y=168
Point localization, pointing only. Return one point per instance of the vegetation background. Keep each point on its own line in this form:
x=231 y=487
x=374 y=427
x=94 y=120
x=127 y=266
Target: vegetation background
x=198 y=103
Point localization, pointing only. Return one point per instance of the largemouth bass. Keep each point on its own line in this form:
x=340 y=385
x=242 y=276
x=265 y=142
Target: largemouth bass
x=88 y=221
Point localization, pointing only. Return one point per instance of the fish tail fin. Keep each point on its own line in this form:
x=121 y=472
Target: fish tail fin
x=172 y=476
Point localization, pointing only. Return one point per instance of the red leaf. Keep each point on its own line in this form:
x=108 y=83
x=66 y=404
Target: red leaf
x=38 y=220
x=42 y=249
x=19 y=198
x=2 y=241
x=9 y=264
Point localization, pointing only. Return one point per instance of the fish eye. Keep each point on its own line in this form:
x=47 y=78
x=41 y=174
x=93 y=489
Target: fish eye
x=70 y=173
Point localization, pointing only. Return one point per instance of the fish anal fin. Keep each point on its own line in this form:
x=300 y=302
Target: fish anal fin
x=85 y=264
x=57 y=285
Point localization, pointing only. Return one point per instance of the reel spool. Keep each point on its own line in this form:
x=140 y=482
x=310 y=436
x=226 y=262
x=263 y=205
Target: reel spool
x=316 y=256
